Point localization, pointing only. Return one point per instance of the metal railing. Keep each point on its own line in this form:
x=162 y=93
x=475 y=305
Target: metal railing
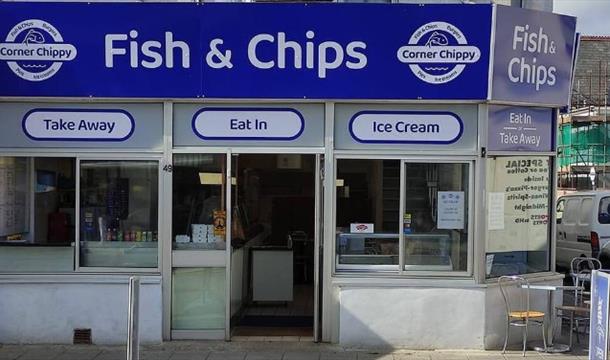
x=133 y=338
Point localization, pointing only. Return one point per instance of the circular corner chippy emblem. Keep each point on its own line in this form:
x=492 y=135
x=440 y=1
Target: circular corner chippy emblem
x=35 y=50
x=438 y=52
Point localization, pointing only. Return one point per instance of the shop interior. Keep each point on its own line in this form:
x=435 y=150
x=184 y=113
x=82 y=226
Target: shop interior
x=368 y=206
x=37 y=201
x=273 y=244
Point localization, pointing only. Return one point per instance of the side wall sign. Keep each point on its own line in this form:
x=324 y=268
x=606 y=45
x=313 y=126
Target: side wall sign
x=532 y=56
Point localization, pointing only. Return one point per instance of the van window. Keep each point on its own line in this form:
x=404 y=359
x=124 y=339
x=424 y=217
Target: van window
x=603 y=215
x=585 y=211
x=561 y=204
x=571 y=210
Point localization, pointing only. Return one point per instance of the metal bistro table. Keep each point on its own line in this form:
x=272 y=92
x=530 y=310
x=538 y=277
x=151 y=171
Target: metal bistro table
x=551 y=347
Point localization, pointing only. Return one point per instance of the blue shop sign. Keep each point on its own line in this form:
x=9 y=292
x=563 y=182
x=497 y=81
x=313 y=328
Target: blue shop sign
x=517 y=128
x=533 y=55
x=294 y=51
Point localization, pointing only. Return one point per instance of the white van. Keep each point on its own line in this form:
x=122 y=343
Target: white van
x=583 y=227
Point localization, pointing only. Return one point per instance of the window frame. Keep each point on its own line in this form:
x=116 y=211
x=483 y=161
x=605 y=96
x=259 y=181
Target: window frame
x=392 y=270
x=118 y=157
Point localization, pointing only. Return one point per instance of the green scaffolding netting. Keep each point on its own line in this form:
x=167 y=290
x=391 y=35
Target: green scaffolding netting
x=583 y=145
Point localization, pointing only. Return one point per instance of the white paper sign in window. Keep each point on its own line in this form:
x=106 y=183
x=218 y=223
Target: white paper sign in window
x=450 y=210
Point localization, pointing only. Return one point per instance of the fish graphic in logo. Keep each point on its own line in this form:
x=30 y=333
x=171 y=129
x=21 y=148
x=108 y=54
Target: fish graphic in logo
x=437 y=39
x=33 y=36
x=35 y=50
x=438 y=52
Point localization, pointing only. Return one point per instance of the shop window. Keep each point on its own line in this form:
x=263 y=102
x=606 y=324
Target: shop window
x=435 y=218
x=518 y=213
x=119 y=213
x=368 y=197
x=37 y=214
x=199 y=215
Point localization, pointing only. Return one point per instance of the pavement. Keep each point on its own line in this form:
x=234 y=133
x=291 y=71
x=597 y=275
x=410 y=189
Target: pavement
x=276 y=349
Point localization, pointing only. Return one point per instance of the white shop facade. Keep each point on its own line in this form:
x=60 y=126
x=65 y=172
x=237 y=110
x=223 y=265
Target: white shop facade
x=298 y=180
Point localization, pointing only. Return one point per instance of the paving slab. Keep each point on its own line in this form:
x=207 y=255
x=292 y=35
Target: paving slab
x=112 y=355
x=301 y=355
x=79 y=354
x=227 y=355
x=189 y=355
x=11 y=354
x=374 y=356
x=338 y=355
x=41 y=354
x=265 y=355
x=155 y=355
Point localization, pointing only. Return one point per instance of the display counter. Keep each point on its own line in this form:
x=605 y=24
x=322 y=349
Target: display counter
x=119 y=253
x=357 y=249
x=423 y=252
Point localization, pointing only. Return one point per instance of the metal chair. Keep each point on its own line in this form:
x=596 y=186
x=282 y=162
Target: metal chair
x=581 y=267
x=577 y=312
x=518 y=312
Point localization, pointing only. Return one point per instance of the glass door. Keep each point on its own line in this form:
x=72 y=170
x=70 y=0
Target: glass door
x=199 y=246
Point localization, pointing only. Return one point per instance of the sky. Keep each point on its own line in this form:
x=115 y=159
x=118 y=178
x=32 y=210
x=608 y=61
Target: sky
x=593 y=15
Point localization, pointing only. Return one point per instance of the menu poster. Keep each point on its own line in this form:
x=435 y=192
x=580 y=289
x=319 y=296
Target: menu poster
x=495 y=211
x=13 y=189
x=524 y=182
x=450 y=210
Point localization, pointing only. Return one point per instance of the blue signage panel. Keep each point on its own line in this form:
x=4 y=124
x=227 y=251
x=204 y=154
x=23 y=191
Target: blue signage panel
x=532 y=58
x=516 y=128
x=320 y=51
x=598 y=335
x=406 y=127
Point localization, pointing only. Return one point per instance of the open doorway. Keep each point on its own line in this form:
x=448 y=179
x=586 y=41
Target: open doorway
x=273 y=243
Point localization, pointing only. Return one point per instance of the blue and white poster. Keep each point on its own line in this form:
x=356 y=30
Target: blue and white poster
x=297 y=51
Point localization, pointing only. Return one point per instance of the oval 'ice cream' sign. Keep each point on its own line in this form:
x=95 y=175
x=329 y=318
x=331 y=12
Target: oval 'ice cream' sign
x=406 y=127
x=78 y=125
x=275 y=124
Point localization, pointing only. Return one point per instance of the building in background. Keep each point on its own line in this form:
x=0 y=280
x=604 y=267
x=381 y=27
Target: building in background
x=584 y=133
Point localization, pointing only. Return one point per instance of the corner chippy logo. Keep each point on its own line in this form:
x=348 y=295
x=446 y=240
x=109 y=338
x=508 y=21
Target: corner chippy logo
x=35 y=51
x=438 y=52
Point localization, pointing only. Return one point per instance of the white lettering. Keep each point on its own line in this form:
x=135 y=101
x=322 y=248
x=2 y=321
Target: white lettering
x=110 y=50
x=253 y=44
